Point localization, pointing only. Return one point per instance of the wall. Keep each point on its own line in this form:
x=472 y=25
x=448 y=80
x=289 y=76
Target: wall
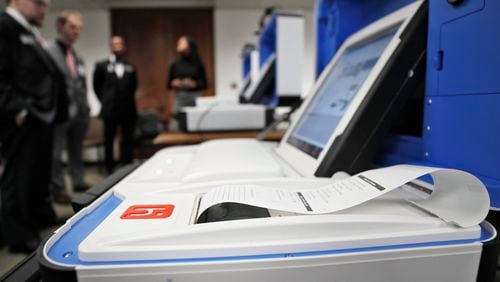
x=92 y=45
x=310 y=53
x=234 y=28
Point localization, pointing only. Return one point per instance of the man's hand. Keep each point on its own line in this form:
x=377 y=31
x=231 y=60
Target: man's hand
x=177 y=83
x=188 y=83
x=21 y=116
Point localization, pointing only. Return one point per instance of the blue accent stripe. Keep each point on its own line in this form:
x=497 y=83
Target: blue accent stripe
x=65 y=250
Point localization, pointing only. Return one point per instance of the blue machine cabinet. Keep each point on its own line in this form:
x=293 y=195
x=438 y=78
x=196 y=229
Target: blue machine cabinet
x=338 y=19
x=461 y=107
x=459 y=125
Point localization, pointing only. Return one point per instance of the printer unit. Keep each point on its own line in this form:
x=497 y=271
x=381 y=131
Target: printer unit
x=278 y=81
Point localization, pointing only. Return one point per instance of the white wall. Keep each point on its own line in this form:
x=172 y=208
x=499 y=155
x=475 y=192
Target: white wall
x=310 y=53
x=235 y=27
x=92 y=45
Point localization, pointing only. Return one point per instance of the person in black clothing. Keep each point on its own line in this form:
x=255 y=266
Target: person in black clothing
x=187 y=74
x=32 y=99
x=115 y=84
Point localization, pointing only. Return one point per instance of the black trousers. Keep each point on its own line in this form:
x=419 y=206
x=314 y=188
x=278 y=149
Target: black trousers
x=24 y=185
x=127 y=127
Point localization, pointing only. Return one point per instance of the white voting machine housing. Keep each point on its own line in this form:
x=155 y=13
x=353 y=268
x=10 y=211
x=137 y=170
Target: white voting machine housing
x=226 y=113
x=238 y=210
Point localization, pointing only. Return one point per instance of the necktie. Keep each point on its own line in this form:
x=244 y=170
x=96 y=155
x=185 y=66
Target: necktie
x=70 y=61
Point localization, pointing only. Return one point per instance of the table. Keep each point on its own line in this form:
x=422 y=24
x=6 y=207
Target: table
x=183 y=138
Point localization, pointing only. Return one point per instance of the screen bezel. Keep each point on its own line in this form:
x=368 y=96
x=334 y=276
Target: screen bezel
x=247 y=82
x=312 y=149
x=304 y=163
x=265 y=70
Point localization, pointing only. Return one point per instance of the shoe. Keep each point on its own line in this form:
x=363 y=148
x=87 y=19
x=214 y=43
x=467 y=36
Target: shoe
x=25 y=248
x=62 y=198
x=81 y=188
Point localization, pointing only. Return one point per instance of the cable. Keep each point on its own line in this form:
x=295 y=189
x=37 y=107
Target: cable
x=284 y=117
x=202 y=118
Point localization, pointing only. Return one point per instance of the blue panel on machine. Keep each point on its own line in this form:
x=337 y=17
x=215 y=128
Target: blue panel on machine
x=460 y=125
x=338 y=19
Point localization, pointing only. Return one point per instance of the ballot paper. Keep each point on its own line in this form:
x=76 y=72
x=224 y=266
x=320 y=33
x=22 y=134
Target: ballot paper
x=458 y=197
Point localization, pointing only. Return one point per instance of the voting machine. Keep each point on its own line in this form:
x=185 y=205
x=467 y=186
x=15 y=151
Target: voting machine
x=195 y=213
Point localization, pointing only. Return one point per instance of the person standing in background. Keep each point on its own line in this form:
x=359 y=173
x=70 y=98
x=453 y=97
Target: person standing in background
x=32 y=99
x=71 y=133
x=186 y=76
x=115 y=84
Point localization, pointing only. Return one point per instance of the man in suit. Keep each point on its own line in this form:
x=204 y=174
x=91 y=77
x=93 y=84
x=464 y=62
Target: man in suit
x=31 y=100
x=115 y=83
x=71 y=133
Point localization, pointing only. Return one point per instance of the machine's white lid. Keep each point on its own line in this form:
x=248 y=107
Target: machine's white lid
x=389 y=220
x=219 y=159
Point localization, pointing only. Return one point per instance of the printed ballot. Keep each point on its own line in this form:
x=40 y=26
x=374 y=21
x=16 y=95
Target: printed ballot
x=458 y=197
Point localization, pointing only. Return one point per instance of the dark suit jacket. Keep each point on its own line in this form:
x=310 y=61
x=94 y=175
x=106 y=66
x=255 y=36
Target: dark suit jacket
x=29 y=78
x=76 y=87
x=117 y=95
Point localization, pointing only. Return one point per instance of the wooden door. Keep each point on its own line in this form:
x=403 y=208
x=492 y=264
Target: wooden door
x=151 y=37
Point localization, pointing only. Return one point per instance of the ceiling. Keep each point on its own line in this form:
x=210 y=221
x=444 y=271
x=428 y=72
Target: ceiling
x=229 y=4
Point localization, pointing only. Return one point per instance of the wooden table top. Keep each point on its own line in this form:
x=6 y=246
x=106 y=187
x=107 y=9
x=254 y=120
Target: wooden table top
x=182 y=138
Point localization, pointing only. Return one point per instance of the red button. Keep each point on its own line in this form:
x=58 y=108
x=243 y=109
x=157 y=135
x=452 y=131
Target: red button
x=148 y=212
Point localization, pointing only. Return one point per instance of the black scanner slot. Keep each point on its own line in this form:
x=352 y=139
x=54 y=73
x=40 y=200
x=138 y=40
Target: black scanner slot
x=231 y=211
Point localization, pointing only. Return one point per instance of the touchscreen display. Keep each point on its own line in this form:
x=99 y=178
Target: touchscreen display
x=334 y=96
